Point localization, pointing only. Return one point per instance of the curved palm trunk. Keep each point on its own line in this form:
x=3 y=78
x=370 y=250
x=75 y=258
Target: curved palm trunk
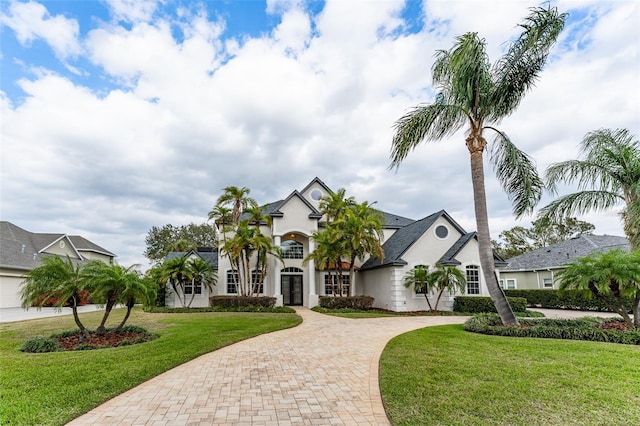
x=107 y=311
x=426 y=297
x=76 y=317
x=484 y=240
x=130 y=304
x=438 y=299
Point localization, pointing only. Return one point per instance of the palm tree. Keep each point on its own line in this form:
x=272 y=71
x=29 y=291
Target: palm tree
x=611 y=166
x=419 y=279
x=108 y=282
x=359 y=228
x=176 y=272
x=59 y=280
x=610 y=277
x=335 y=204
x=472 y=92
x=238 y=199
x=328 y=255
x=447 y=278
x=136 y=289
x=202 y=274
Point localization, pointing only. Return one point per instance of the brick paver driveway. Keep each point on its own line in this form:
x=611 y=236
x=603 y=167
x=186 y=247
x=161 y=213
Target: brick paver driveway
x=324 y=372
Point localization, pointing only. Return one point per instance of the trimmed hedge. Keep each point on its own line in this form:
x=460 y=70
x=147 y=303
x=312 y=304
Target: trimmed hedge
x=576 y=329
x=477 y=305
x=568 y=299
x=355 y=302
x=249 y=308
x=241 y=301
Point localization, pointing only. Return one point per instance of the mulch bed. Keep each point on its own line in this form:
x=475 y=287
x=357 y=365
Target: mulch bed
x=615 y=325
x=108 y=340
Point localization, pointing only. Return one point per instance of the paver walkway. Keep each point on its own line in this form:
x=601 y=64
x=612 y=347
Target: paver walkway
x=322 y=372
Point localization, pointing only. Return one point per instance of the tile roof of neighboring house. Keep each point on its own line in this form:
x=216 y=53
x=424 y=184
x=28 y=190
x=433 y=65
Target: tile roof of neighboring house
x=206 y=253
x=22 y=249
x=558 y=255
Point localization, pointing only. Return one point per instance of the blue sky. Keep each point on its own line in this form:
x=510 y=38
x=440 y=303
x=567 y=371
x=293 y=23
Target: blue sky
x=121 y=115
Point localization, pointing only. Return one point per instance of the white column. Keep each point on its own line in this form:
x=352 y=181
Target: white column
x=277 y=284
x=313 y=296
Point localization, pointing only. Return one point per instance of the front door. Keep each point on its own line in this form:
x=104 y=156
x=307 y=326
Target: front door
x=292 y=289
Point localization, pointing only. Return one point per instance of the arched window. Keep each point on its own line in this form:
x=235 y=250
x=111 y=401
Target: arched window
x=292 y=270
x=473 y=279
x=291 y=249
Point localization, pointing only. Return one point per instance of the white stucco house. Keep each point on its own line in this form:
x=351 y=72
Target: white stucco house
x=408 y=243
x=22 y=251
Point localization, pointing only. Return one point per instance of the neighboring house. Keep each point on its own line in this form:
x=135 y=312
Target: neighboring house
x=407 y=243
x=22 y=251
x=536 y=269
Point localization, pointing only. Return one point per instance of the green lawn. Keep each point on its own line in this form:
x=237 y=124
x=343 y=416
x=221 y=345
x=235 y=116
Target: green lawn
x=53 y=388
x=446 y=376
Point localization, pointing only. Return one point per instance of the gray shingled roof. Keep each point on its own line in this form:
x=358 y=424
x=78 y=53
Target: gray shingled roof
x=21 y=249
x=558 y=255
x=208 y=254
x=400 y=242
x=449 y=258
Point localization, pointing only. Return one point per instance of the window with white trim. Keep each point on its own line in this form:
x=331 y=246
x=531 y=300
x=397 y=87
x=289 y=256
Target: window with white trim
x=331 y=286
x=547 y=283
x=420 y=291
x=232 y=281
x=191 y=287
x=292 y=249
x=510 y=284
x=473 y=279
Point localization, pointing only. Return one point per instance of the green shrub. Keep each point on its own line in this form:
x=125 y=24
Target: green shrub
x=41 y=344
x=250 y=308
x=241 y=301
x=568 y=299
x=352 y=302
x=476 y=304
x=85 y=347
x=574 y=329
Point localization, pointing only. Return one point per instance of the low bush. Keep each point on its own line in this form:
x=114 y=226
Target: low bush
x=239 y=301
x=592 y=329
x=352 y=302
x=41 y=344
x=568 y=299
x=477 y=305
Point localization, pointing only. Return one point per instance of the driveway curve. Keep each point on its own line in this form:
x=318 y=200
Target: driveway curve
x=322 y=372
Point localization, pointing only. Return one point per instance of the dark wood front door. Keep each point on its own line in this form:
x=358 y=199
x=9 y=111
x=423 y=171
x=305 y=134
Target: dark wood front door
x=292 y=290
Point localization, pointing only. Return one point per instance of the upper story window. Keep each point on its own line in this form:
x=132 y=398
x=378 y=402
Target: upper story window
x=473 y=279
x=292 y=249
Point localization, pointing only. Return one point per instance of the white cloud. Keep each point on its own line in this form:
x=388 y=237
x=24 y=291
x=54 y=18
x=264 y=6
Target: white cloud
x=32 y=21
x=132 y=11
x=315 y=96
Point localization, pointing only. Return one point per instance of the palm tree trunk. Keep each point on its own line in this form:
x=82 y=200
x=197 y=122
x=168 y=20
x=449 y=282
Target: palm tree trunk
x=130 y=305
x=76 y=317
x=484 y=241
x=438 y=299
x=426 y=297
x=107 y=310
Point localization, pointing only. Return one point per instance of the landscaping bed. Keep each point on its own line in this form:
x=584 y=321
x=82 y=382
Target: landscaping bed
x=611 y=330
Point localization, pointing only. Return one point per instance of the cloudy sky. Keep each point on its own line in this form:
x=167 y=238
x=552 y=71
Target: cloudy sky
x=119 y=115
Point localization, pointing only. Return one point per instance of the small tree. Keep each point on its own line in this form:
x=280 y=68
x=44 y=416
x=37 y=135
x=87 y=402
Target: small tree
x=419 y=280
x=56 y=279
x=203 y=275
x=609 y=277
x=176 y=272
x=442 y=278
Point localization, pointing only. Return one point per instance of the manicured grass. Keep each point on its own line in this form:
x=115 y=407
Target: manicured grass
x=53 y=388
x=446 y=376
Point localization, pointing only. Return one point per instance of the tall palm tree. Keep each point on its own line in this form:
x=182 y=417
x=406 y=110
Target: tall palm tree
x=474 y=93
x=335 y=204
x=59 y=279
x=359 y=228
x=238 y=200
x=610 y=277
x=327 y=255
x=608 y=176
